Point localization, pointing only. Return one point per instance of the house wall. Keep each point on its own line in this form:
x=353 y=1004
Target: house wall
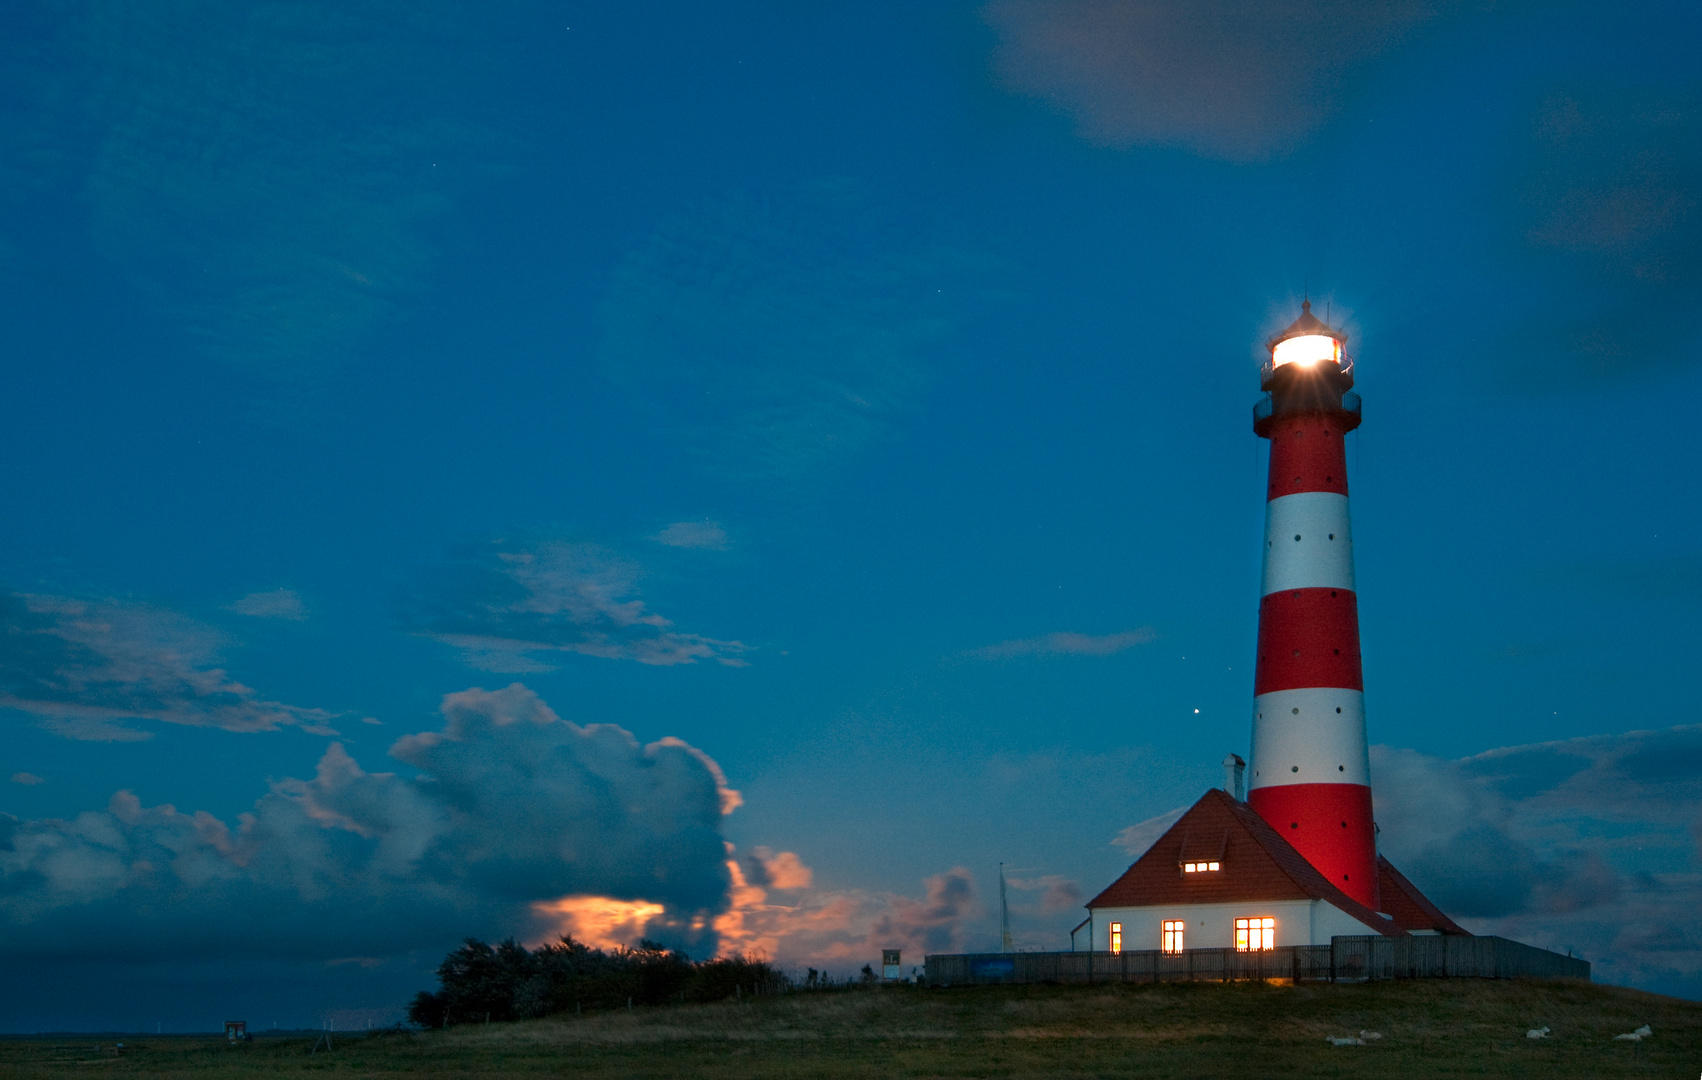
x=1212 y=926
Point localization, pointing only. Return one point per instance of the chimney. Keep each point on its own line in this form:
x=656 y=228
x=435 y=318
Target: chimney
x=1235 y=777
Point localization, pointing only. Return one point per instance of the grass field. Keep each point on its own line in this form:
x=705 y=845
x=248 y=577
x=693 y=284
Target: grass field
x=1250 y=1031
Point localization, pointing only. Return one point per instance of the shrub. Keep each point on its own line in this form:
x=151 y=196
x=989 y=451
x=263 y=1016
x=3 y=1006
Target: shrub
x=507 y=982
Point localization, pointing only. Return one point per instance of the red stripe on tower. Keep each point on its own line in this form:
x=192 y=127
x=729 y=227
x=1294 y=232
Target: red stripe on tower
x=1311 y=772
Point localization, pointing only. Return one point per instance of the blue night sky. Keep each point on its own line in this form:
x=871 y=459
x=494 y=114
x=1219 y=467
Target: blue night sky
x=851 y=403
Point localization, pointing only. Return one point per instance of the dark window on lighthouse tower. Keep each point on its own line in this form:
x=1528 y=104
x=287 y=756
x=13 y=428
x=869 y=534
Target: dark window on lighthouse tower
x=1255 y=935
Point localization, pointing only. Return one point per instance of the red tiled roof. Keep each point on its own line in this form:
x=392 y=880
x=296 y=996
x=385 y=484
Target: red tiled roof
x=1258 y=865
x=1412 y=909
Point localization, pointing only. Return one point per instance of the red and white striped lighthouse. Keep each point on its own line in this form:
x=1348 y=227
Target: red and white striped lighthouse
x=1311 y=773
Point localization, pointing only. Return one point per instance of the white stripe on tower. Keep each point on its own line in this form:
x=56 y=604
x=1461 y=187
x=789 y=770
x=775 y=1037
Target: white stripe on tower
x=1308 y=543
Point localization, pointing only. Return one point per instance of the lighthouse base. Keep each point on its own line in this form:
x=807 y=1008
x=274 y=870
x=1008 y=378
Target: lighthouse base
x=1330 y=826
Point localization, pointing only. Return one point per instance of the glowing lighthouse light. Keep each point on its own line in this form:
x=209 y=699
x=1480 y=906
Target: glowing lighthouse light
x=1306 y=350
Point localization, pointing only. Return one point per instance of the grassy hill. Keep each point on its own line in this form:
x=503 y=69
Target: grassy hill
x=1430 y=1028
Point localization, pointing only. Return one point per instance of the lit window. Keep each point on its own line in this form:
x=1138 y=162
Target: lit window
x=1255 y=935
x=1116 y=938
x=1173 y=935
x=1200 y=867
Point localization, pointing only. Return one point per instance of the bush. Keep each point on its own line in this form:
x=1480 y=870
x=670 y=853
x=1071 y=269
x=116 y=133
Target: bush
x=429 y=1010
x=481 y=982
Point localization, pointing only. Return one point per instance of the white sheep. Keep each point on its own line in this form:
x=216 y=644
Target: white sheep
x=1537 y=1033
x=1635 y=1036
x=1347 y=1040
x=1368 y=1036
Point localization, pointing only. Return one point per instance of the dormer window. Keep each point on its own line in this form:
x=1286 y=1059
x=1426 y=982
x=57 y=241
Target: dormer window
x=1202 y=852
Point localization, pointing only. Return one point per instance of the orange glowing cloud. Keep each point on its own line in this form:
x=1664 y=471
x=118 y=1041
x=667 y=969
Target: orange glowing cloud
x=599 y=921
x=806 y=926
x=827 y=926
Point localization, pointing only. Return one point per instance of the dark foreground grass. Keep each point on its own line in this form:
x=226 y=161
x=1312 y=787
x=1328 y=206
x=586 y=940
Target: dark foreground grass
x=1431 y=1028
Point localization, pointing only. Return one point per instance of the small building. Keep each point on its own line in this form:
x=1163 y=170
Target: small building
x=1223 y=878
x=892 y=964
x=236 y=1030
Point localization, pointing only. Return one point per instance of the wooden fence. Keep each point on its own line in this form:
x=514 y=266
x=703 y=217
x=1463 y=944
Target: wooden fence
x=1352 y=959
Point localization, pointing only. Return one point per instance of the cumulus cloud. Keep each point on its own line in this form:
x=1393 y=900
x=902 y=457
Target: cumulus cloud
x=505 y=806
x=779 y=335
x=805 y=926
x=514 y=606
x=28 y=779
x=762 y=867
x=1589 y=843
x=1233 y=79
x=1065 y=644
x=694 y=534
x=276 y=604
x=84 y=667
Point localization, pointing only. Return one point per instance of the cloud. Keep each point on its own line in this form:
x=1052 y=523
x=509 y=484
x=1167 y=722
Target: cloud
x=514 y=606
x=1590 y=844
x=1615 y=179
x=837 y=928
x=1057 y=893
x=505 y=806
x=1137 y=838
x=83 y=667
x=28 y=779
x=1065 y=644
x=833 y=929
x=763 y=867
x=779 y=335
x=694 y=534
x=1602 y=193
x=1234 y=79
x=277 y=604
x=601 y=922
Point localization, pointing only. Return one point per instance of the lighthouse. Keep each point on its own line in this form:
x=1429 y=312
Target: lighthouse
x=1311 y=773
x=1295 y=862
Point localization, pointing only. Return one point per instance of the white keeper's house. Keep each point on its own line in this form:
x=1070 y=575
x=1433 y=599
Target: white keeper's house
x=1223 y=878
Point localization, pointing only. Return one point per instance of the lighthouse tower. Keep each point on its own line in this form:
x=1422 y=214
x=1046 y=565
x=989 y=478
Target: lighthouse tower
x=1311 y=774
x=1295 y=862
